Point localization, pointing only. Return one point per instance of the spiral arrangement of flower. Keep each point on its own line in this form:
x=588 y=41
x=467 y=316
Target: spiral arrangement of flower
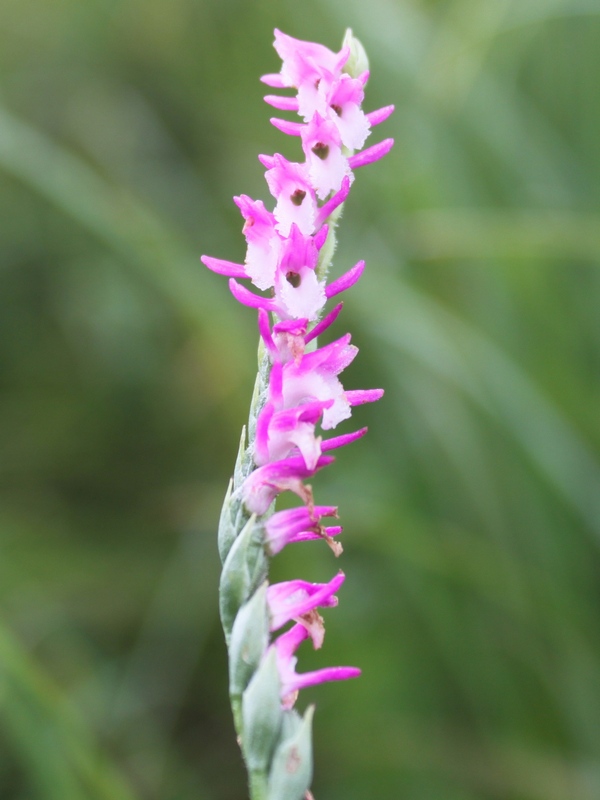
x=298 y=391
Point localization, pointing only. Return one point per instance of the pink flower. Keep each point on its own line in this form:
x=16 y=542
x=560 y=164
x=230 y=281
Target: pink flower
x=264 y=243
x=264 y=246
x=289 y=339
x=286 y=265
x=291 y=336
x=275 y=304
x=290 y=185
x=340 y=102
x=298 y=291
x=305 y=66
x=344 y=100
x=298 y=525
x=293 y=599
x=291 y=682
x=301 y=391
x=278 y=433
x=280 y=429
x=315 y=378
x=263 y=485
x=322 y=145
x=287 y=258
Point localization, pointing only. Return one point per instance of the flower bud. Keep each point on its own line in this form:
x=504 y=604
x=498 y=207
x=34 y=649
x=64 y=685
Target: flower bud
x=358 y=61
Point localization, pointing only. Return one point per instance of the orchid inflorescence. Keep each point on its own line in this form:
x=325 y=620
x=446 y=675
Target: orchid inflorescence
x=288 y=255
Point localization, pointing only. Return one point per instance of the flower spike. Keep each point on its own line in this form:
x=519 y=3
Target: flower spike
x=298 y=396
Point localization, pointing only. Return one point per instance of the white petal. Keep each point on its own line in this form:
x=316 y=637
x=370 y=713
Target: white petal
x=303 y=215
x=261 y=262
x=309 y=445
x=327 y=174
x=312 y=99
x=353 y=126
x=307 y=299
x=318 y=386
x=339 y=411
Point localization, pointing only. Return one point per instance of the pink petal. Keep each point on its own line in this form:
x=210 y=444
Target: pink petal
x=357 y=397
x=306 y=679
x=264 y=484
x=376 y=117
x=321 y=237
x=291 y=599
x=340 y=441
x=338 y=198
x=297 y=524
x=371 y=154
x=285 y=126
x=345 y=281
x=282 y=103
x=261 y=442
x=323 y=324
x=267 y=161
x=222 y=267
x=248 y=298
x=264 y=329
x=273 y=79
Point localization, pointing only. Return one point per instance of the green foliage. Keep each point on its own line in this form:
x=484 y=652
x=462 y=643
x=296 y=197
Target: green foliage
x=471 y=510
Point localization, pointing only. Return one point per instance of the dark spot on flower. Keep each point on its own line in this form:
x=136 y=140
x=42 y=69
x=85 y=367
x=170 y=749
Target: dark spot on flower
x=293 y=278
x=338 y=110
x=298 y=197
x=321 y=150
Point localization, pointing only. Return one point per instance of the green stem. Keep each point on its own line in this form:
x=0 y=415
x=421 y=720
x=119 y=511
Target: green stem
x=258 y=786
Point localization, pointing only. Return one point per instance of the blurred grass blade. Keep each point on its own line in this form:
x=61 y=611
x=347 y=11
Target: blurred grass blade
x=405 y=318
x=491 y=233
x=139 y=236
x=517 y=133
x=494 y=768
x=50 y=740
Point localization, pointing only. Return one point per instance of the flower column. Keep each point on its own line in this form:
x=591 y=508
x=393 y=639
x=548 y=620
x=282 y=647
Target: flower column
x=297 y=390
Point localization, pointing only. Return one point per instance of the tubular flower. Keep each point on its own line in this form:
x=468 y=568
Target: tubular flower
x=291 y=682
x=299 y=393
x=299 y=525
x=292 y=599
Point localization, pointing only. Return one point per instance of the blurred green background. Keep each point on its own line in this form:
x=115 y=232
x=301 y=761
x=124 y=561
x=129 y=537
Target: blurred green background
x=472 y=509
